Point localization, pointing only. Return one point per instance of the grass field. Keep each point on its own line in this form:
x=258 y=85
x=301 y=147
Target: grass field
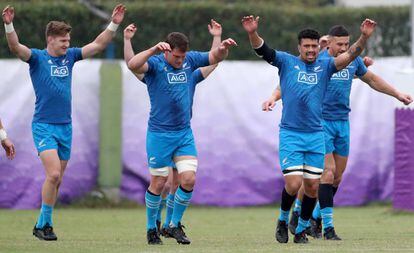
x=366 y=229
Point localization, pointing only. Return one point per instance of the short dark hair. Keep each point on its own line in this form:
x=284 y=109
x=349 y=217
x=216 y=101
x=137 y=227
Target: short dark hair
x=338 y=31
x=178 y=40
x=308 y=34
x=57 y=28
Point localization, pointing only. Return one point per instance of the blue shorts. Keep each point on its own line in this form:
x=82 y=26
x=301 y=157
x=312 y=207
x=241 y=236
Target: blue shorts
x=53 y=136
x=162 y=147
x=336 y=136
x=302 y=153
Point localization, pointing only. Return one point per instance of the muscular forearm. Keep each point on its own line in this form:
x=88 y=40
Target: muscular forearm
x=216 y=42
x=103 y=39
x=380 y=85
x=353 y=52
x=128 y=50
x=138 y=61
x=255 y=40
x=217 y=55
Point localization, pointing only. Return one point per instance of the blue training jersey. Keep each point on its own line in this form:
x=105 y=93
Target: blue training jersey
x=51 y=79
x=336 y=101
x=171 y=91
x=303 y=87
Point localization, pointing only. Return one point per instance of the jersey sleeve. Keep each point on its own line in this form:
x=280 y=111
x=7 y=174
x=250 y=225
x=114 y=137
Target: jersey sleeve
x=280 y=59
x=361 y=68
x=152 y=62
x=34 y=56
x=197 y=76
x=198 y=59
x=76 y=53
x=331 y=66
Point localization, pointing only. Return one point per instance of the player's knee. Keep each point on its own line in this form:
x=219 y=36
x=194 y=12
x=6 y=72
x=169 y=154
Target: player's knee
x=312 y=190
x=188 y=180
x=157 y=184
x=293 y=186
x=54 y=177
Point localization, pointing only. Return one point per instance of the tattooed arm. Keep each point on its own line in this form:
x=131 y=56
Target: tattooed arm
x=343 y=60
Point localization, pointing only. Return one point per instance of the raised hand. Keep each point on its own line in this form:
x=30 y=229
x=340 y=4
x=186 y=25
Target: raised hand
x=129 y=31
x=9 y=148
x=118 y=13
x=215 y=28
x=368 y=27
x=226 y=44
x=405 y=98
x=8 y=14
x=250 y=23
x=162 y=47
x=368 y=61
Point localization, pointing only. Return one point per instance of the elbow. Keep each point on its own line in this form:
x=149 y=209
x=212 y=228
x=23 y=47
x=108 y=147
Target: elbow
x=131 y=65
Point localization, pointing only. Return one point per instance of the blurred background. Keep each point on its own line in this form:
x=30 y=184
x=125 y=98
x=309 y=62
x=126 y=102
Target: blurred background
x=236 y=141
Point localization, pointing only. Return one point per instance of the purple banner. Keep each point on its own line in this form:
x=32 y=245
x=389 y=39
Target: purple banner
x=238 y=143
x=21 y=179
x=403 y=197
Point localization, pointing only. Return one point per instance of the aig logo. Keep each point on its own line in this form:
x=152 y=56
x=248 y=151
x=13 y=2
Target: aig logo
x=341 y=75
x=59 y=71
x=177 y=78
x=304 y=77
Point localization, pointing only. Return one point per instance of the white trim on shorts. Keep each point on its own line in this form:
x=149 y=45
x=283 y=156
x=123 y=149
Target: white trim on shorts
x=293 y=170
x=160 y=172
x=310 y=172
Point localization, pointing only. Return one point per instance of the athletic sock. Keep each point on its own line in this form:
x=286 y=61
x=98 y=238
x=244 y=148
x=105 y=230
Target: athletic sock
x=45 y=216
x=316 y=214
x=326 y=204
x=152 y=203
x=285 y=205
x=162 y=204
x=169 y=209
x=181 y=201
x=298 y=206
x=307 y=207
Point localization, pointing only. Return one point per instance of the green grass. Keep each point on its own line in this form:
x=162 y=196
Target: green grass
x=367 y=229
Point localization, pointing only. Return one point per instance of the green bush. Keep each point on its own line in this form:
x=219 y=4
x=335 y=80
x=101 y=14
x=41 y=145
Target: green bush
x=278 y=24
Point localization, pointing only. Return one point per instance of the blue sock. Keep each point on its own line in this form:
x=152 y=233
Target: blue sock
x=327 y=217
x=284 y=216
x=181 y=201
x=302 y=225
x=316 y=214
x=170 y=208
x=298 y=206
x=45 y=216
x=162 y=204
x=152 y=202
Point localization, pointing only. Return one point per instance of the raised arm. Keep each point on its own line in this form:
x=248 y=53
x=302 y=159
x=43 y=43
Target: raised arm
x=343 y=60
x=129 y=33
x=20 y=50
x=103 y=39
x=220 y=53
x=215 y=30
x=6 y=143
x=270 y=103
x=138 y=64
x=250 y=24
x=379 y=84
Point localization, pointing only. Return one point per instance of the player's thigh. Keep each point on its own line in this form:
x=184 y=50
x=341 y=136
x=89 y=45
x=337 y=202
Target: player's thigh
x=315 y=156
x=160 y=148
x=329 y=136
x=51 y=163
x=63 y=135
x=43 y=137
x=342 y=140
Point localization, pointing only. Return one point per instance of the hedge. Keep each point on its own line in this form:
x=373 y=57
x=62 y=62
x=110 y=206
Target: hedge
x=278 y=24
